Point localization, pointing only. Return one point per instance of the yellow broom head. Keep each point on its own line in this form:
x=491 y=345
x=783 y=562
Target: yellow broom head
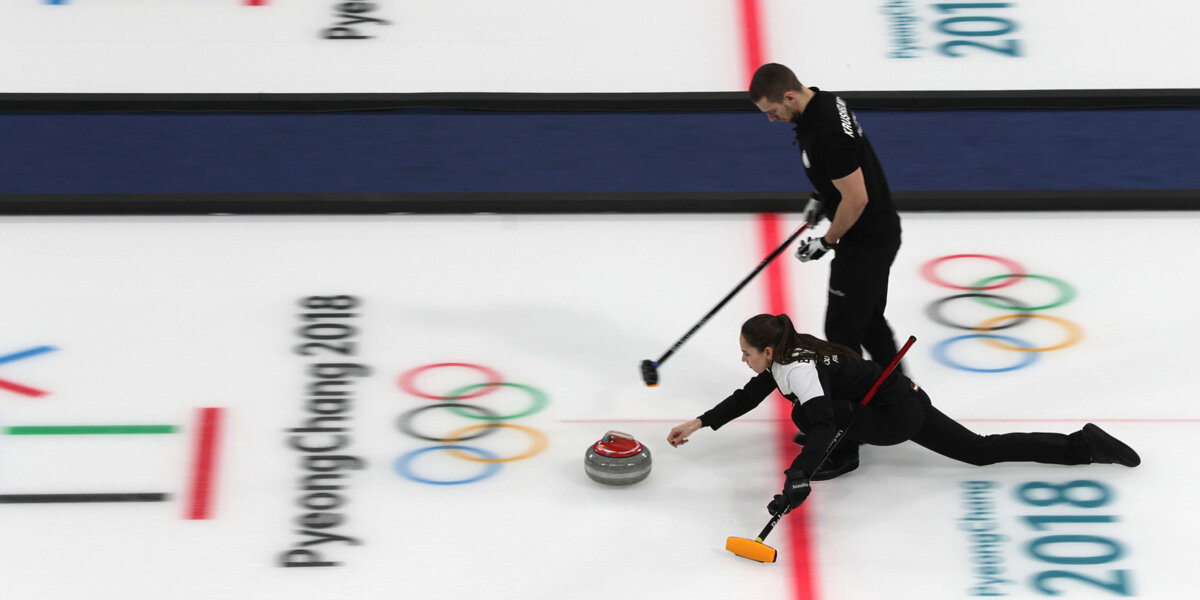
x=751 y=549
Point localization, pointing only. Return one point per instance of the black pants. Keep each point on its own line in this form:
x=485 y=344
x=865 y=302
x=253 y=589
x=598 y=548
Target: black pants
x=858 y=287
x=913 y=417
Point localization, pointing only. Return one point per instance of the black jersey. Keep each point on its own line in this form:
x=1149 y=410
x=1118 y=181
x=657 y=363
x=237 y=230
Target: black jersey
x=844 y=381
x=832 y=146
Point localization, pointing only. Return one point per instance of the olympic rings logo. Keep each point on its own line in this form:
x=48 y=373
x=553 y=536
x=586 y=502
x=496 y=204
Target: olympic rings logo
x=979 y=291
x=452 y=442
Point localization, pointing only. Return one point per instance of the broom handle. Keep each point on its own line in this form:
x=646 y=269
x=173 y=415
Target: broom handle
x=762 y=265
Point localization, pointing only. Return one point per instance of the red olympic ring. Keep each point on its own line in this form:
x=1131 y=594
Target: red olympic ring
x=929 y=271
x=493 y=381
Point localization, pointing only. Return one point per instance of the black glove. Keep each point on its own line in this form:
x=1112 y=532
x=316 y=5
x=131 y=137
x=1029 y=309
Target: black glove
x=814 y=210
x=778 y=504
x=813 y=249
x=795 y=492
x=796 y=489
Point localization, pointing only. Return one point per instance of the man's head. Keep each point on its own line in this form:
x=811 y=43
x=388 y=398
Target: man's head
x=776 y=91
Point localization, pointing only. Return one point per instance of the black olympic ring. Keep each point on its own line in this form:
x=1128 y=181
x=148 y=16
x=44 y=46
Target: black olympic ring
x=934 y=311
x=405 y=421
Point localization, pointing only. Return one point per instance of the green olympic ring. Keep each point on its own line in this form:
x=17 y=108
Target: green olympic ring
x=538 y=396
x=1065 y=291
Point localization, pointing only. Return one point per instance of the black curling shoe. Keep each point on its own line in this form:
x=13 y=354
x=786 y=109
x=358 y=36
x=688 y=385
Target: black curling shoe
x=1107 y=449
x=838 y=465
x=841 y=462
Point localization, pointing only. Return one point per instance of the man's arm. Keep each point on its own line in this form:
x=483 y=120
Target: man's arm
x=854 y=200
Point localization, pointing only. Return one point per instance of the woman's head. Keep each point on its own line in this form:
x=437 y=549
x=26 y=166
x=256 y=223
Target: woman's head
x=758 y=359
x=768 y=339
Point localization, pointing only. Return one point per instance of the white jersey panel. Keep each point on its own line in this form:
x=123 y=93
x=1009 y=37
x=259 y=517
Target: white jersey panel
x=798 y=378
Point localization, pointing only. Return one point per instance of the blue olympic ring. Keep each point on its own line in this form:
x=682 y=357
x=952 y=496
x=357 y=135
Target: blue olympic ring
x=942 y=356
x=985 y=329
x=402 y=465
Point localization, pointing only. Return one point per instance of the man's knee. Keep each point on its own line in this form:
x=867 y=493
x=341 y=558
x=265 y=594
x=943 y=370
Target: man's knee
x=845 y=327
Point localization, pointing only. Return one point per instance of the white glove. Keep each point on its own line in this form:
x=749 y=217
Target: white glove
x=813 y=249
x=814 y=210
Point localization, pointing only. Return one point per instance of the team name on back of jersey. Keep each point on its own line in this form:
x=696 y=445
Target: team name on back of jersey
x=844 y=115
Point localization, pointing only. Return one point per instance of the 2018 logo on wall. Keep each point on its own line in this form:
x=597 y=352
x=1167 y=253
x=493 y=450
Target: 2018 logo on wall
x=955 y=29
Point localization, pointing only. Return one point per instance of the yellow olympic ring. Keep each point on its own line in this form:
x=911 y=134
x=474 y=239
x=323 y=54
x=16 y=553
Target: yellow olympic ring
x=539 y=442
x=1074 y=332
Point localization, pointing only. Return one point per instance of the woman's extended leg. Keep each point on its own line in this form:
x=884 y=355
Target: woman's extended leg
x=949 y=438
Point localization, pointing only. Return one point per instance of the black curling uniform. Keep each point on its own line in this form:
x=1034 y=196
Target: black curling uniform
x=824 y=391
x=832 y=146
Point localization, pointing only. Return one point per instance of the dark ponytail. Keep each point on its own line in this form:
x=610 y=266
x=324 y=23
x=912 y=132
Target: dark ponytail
x=777 y=332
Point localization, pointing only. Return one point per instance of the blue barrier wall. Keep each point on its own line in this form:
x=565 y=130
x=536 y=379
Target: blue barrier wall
x=446 y=152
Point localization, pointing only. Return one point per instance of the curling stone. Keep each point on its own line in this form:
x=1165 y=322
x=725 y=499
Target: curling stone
x=617 y=459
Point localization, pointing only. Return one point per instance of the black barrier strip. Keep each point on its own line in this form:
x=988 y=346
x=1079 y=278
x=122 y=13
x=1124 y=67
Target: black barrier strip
x=62 y=498
x=672 y=101
x=577 y=203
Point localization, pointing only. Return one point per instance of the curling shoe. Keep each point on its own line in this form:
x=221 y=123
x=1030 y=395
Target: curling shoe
x=1107 y=449
x=842 y=461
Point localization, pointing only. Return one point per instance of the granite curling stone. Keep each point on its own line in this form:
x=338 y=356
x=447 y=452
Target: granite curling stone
x=617 y=459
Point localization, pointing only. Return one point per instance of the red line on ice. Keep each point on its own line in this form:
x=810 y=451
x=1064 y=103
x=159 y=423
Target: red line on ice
x=798 y=553
x=752 y=38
